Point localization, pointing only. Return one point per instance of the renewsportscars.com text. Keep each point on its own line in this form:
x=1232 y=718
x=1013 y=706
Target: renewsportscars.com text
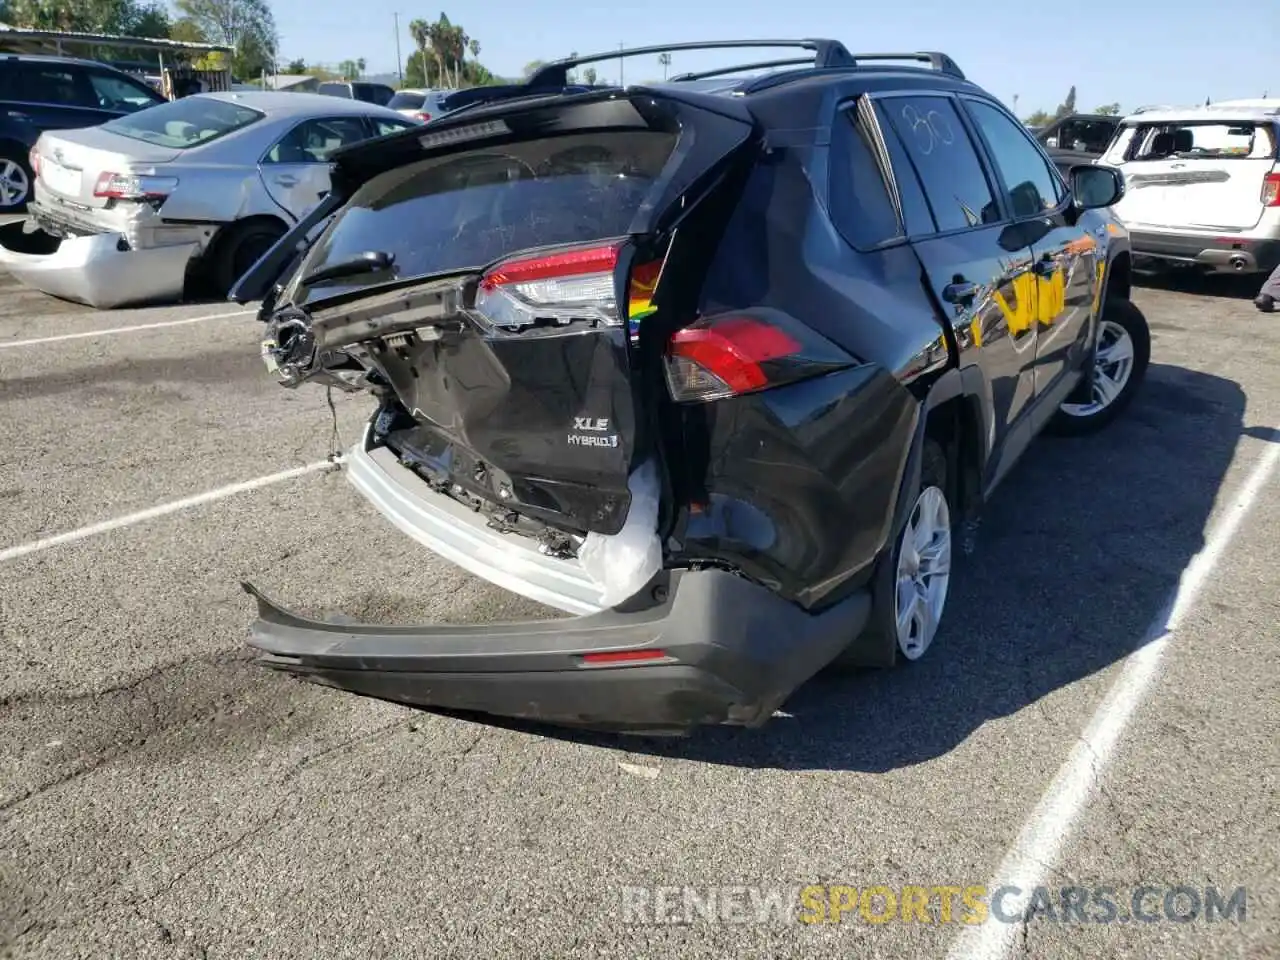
x=971 y=905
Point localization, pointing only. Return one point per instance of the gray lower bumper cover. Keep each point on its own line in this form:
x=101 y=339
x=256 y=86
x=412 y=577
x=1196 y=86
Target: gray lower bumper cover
x=734 y=653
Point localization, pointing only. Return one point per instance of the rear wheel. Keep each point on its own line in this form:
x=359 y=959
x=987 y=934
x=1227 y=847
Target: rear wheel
x=15 y=181
x=1120 y=363
x=910 y=592
x=239 y=247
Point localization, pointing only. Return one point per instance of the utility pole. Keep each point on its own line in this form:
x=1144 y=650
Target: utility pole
x=1015 y=105
x=399 y=62
x=622 y=70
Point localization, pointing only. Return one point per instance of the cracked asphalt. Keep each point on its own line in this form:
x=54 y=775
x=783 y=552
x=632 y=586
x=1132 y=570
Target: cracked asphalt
x=163 y=797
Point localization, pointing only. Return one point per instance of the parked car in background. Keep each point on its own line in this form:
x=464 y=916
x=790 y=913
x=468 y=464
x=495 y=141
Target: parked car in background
x=422 y=105
x=378 y=93
x=55 y=93
x=723 y=402
x=1203 y=186
x=1077 y=138
x=191 y=191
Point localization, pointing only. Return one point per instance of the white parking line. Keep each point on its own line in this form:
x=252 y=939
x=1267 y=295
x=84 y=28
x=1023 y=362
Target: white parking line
x=12 y=344
x=151 y=513
x=1038 y=847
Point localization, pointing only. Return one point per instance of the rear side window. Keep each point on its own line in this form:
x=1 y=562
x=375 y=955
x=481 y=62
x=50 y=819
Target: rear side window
x=335 y=90
x=406 y=101
x=312 y=141
x=939 y=149
x=465 y=210
x=184 y=123
x=1210 y=141
x=861 y=206
x=53 y=84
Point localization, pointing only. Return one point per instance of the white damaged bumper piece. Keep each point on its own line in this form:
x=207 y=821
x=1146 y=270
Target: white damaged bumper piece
x=101 y=270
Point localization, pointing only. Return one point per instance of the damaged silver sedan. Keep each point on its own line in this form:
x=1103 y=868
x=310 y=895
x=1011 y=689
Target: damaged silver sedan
x=179 y=199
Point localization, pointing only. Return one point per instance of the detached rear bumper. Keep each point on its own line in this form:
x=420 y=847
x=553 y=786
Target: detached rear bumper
x=100 y=270
x=733 y=653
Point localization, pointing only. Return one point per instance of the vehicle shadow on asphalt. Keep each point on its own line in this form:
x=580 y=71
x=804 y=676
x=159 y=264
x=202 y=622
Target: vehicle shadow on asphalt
x=1079 y=551
x=1202 y=285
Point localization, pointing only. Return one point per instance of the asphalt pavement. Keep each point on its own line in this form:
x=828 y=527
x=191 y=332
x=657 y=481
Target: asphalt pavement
x=161 y=796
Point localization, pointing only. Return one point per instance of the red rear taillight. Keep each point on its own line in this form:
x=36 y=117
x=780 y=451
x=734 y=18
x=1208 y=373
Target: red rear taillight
x=33 y=159
x=707 y=363
x=552 y=288
x=424 y=117
x=132 y=186
x=733 y=354
x=1271 y=190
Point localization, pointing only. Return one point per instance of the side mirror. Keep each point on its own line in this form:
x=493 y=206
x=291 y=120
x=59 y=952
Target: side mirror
x=1095 y=186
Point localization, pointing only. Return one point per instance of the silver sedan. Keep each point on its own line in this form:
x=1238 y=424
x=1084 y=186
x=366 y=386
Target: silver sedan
x=181 y=196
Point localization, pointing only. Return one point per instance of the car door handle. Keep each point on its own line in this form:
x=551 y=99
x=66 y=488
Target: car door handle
x=960 y=291
x=286 y=180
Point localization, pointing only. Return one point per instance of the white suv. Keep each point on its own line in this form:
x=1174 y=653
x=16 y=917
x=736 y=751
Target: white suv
x=1202 y=185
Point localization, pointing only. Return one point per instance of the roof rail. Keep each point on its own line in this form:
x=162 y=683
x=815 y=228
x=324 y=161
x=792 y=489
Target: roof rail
x=826 y=53
x=758 y=65
x=935 y=59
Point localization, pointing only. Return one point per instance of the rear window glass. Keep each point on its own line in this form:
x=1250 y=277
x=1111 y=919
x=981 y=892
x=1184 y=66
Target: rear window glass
x=1189 y=141
x=335 y=90
x=466 y=210
x=406 y=101
x=184 y=123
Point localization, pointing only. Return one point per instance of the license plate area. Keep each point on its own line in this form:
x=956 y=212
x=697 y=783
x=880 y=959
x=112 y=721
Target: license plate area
x=60 y=179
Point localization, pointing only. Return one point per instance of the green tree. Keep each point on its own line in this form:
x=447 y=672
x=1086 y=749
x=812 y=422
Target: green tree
x=589 y=76
x=296 y=67
x=440 y=56
x=1038 y=119
x=1068 y=106
x=129 y=18
x=246 y=26
x=1109 y=110
x=532 y=67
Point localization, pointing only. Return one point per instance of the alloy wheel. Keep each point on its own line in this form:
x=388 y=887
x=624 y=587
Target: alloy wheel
x=14 y=184
x=924 y=571
x=1112 y=367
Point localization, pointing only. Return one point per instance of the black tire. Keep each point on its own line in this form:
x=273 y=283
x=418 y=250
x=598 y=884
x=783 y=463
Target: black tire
x=237 y=248
x=877 y=645
x=1125 y=315
x=14 y=161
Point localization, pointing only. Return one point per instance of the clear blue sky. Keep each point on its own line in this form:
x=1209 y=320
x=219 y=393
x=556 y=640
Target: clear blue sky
x=1131 y=51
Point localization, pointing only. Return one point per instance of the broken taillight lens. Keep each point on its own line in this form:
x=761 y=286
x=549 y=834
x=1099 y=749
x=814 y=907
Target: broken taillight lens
x=552 y=288
x=132 y=186
x=733 y=354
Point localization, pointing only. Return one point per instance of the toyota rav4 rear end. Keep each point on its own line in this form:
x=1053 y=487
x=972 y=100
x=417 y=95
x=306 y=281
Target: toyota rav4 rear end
x=565 y=407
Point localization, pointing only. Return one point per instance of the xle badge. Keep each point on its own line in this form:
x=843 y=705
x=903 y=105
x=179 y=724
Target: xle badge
x=598 y=437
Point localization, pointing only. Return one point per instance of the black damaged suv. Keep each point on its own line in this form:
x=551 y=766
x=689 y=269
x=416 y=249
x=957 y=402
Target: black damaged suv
x=715 y=366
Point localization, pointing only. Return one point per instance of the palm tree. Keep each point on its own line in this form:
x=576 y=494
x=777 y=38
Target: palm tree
x=420 y=30
x=360 y=65
x=665 y=60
